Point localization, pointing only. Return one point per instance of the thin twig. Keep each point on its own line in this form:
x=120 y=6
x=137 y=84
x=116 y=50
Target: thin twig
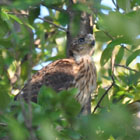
x=106 y=92
x=113 y=2
x=113 y=82
x=102 y=97
x=116 y=5
x=108 y=35
x=3 y=124
x=50 y=22
x=123 y=66
x=125 y=48
x=27 y=117
x=112 y=38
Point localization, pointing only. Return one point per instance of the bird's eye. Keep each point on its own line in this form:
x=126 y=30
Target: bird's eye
x=81 y=40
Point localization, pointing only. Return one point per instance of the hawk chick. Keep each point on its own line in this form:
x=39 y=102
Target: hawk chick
x=77 y=71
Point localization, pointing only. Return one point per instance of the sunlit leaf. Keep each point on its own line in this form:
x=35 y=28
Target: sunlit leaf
x=120 y=55
x=15 y=18
x=107 y=53
x=132 y=57
x=30 y=26
x=47 y=131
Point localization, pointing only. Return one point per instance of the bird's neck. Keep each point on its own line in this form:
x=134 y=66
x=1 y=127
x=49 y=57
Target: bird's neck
x=80 y=58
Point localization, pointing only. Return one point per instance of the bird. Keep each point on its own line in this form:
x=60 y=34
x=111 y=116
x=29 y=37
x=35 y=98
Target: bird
x=77 y=71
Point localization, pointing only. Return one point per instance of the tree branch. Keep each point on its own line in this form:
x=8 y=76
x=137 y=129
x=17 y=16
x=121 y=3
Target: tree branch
x=128 y=68
x=106 y=92
x=27 y=119
x=46 y=20
x=102 y=97
x=113 y=82
x=126 y=48
x=27 y=115
x=3 y=124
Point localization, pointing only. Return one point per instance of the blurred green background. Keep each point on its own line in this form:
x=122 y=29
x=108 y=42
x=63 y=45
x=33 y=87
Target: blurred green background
x=30 y=39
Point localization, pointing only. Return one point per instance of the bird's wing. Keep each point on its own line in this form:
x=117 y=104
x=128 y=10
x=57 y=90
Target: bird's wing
x=58 y=75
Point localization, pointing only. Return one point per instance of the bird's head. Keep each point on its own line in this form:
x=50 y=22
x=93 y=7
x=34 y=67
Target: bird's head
x=83 y=45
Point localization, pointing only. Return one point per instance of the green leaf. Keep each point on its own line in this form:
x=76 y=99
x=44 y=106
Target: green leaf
x=63 y=19
x=120 y=55
x=33 y=14
x=30 y=26
x=132 y=57
x=118 y=24
x=26 y=4
x=4 y=15
x=68 y=102
x=15 y=18
x=105 y=101
x=45 y=95
x=17 y=131
x=4 y=27
x=135 y=2
x=106 y=55
x=4 y=99
x=53 y=2
x=124 y=4
x=82 y=7
x=46 y=131
x=101 y=36
x=5 y=43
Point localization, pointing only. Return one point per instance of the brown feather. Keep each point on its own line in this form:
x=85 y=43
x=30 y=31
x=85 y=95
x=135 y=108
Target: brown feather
x=78 y=71
x=58 y=75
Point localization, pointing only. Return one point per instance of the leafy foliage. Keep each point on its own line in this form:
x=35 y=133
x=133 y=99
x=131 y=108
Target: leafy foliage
x=28 y=41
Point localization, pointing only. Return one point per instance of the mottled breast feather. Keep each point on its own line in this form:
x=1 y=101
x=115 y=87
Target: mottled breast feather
x=85 y=80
